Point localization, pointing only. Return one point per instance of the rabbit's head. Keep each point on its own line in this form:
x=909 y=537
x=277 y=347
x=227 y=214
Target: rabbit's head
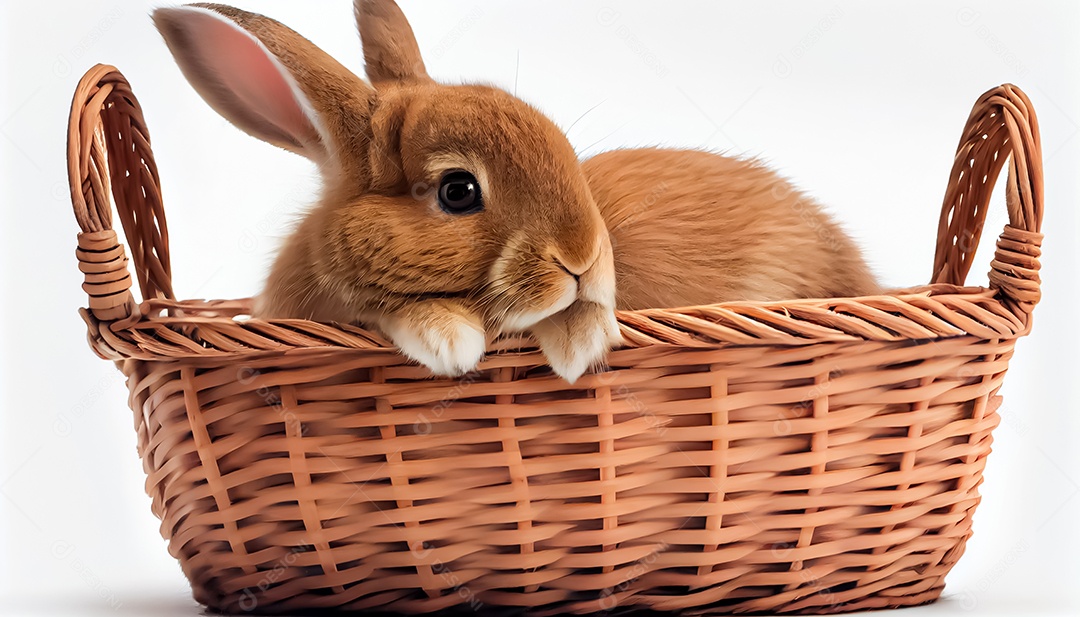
x=462 y=193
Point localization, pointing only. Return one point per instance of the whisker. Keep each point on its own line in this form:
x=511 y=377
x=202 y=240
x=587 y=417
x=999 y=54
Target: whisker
x=587 y=112
x=586 y=148
x=517 y=71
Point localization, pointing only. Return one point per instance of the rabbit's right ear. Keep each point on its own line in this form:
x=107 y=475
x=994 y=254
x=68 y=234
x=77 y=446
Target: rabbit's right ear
x=268 y=80
x=390 y=49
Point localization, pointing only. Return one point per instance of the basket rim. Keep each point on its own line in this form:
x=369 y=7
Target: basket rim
x=161 y=329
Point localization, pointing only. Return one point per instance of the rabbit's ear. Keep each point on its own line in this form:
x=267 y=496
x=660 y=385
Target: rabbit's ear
x=268 y=80
x=390 y=49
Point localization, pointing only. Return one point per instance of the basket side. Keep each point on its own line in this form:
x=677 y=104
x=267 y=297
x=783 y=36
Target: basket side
x=825 y=478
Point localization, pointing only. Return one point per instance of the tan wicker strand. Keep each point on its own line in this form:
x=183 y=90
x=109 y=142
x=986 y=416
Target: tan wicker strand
x=718 y=470
x=808 y=456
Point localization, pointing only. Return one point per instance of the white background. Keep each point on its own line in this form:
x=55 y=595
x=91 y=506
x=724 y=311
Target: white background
x=860 y=103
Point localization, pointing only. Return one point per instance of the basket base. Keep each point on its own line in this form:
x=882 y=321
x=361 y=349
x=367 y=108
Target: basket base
x=826 y=607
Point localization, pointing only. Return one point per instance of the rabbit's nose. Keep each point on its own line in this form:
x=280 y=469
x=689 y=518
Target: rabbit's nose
x=597 y=283
x=577 y=260
x=562 y=266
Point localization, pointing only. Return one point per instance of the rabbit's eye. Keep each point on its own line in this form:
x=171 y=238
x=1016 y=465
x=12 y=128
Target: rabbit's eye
x=459 y=193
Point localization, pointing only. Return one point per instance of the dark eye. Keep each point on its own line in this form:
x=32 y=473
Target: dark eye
x=459 y=193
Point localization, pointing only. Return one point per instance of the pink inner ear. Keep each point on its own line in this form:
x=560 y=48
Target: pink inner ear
x=254 y=78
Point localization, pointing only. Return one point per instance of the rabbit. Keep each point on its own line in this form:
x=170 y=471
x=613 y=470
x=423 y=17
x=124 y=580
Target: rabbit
x=448 y=215
x=452 y=214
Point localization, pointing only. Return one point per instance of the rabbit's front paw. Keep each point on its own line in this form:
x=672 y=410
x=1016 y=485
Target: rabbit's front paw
x=442 y=335
x=577 y=338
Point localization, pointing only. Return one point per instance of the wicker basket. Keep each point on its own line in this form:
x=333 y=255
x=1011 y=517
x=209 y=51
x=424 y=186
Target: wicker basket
x=808 y=456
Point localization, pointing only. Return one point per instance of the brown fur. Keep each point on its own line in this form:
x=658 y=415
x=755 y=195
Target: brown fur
x=678 y=227
x=691 y=228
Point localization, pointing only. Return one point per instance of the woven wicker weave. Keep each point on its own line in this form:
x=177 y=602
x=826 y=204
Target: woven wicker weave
x=805 y=456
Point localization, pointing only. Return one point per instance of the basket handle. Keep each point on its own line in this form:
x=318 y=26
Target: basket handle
x=1002 y=123
x=109 y=153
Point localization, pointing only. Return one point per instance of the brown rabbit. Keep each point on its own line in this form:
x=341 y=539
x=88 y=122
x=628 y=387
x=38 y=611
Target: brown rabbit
x=452 y=213
x=448 y=214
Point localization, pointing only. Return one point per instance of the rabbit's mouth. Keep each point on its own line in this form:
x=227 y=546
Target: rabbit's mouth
x=527 y=288
x=521 y=319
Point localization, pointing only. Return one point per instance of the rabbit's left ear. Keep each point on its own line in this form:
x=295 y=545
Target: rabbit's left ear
x=271 y=82
x=390 y=49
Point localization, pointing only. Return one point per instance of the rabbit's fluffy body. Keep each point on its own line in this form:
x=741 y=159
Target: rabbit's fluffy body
x=691 y=228
x=557 y=245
